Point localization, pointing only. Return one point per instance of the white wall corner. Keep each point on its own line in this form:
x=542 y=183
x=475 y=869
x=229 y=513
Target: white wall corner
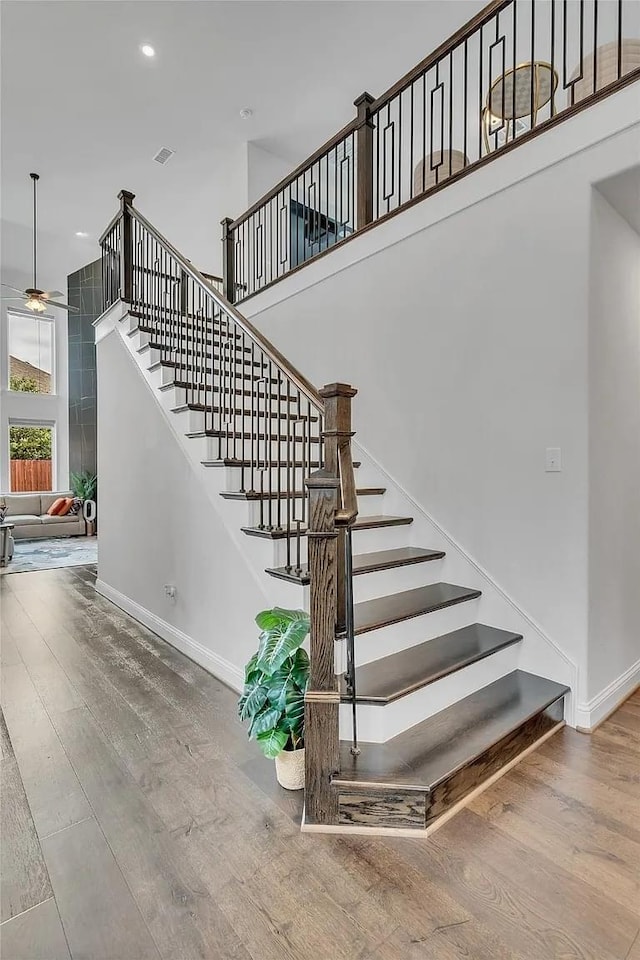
x=590 y=713
x=222 y=669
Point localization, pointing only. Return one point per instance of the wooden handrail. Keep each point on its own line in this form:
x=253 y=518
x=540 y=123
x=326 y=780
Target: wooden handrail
x=296 y=172
x=392 y=170
x=268 y=349
x=445 y=47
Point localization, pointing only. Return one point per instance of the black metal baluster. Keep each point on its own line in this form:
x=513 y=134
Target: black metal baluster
x=291 y=491
x=553 y=55
x=595 y=45
x=619 y=39
x=480 y=86
x=533 y=68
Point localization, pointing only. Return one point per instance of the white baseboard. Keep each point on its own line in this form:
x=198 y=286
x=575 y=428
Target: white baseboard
x=222 y=669
x=594 y=711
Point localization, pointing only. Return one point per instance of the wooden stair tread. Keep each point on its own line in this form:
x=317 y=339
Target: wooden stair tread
x=430 y=752
x=238 y=435
x=362 y=523
x=372 y=614
x=228 y=462
x=285 y=495
x=368 y=562
x=237 y=411
x=399 y=674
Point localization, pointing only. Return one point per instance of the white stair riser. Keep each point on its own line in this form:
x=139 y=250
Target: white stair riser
x=380 y=538
x=261 y=448
x=370 y=505
x=379 y=723
x=398 y=636
x=382 y=583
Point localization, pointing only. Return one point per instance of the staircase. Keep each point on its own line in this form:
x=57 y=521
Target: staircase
x=441 y=706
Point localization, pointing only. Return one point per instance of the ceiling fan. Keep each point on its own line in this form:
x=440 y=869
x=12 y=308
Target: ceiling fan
x=37 y=300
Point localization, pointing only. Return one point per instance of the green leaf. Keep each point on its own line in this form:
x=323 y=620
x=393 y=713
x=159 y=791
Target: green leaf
x=273 y=742
x=254 y=702
x=264 y=721
x=283 y=632
x=250 y=667
x=300 y=672
x=294 y=712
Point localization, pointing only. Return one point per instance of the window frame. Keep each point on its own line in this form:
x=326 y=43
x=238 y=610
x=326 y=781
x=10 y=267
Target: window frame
x=41 y=423
x=16 y=312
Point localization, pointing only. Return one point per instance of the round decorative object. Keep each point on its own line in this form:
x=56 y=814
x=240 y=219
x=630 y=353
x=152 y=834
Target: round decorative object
x=437 y=168
x=606 y=68
x=522 y=91
x=89 y=510
x=290 y=769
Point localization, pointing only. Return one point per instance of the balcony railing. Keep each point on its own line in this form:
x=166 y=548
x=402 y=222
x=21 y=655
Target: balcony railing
x=516 y=69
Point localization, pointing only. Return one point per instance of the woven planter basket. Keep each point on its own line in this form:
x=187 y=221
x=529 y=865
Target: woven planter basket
x=290 y=769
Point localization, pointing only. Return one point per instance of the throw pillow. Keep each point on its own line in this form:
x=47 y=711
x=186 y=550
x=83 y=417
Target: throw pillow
x=66 y=506
x=76 y=507
x=56 y=507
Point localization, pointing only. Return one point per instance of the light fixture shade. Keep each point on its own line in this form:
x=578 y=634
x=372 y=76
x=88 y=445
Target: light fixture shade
x=33 y=303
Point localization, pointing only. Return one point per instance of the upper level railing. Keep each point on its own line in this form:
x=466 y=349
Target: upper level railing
x=290 y=443
x=516 y=69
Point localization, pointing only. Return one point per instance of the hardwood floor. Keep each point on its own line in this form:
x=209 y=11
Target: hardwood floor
x=137 y=821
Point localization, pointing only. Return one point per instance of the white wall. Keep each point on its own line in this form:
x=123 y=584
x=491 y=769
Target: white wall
x=157 y=526
x=264 y=170
x=614 y=450
x=468 y=344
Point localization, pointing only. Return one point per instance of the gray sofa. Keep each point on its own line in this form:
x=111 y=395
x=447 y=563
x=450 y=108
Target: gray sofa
x=28 y=511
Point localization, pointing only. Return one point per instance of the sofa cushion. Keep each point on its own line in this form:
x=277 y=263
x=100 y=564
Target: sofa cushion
x=67 y=518
x=46 y=499
x=20 y=519
x=56 y=507
x=21 y=504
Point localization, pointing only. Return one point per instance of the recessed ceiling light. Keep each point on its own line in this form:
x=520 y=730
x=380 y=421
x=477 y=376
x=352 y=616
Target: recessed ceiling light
x=147 y=50
x=81 y=233
x=246 y=113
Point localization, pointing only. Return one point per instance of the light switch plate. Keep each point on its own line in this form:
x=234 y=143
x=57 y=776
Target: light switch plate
x=553 y=460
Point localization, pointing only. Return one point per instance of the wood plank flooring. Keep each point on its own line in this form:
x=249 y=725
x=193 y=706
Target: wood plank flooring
x=138 y=822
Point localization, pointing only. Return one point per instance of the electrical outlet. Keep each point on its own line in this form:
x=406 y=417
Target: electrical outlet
x=170 y=592
x=553 y=460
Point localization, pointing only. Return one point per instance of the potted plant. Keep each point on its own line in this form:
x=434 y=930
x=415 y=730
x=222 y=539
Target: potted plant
x=275 y=680
x=84 y=486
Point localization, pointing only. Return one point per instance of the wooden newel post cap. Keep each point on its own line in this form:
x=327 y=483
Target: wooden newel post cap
x=337 y=390
x=365 y=99
x=125 y=196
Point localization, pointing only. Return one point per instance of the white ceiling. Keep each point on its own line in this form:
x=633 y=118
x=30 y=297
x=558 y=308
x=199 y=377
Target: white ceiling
x=82 y=106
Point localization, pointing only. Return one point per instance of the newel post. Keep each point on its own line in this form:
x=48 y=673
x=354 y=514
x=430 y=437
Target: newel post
x=327 y=612
x=364 y=177
x=126 y=198
x=228 y=261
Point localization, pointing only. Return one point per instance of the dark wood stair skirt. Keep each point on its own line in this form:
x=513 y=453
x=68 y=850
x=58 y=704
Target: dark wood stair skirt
x=414 y=782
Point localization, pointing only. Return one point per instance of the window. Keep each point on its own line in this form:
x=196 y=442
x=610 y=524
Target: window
x=31 y=352
x=31 y=457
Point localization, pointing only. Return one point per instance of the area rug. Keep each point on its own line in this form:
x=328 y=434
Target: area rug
x=49 y=554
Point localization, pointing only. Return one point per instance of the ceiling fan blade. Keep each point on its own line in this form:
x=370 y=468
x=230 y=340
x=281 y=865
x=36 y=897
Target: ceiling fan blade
x=63 y=306
x=52 y=294
x=13 y=288
x=14 y=298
